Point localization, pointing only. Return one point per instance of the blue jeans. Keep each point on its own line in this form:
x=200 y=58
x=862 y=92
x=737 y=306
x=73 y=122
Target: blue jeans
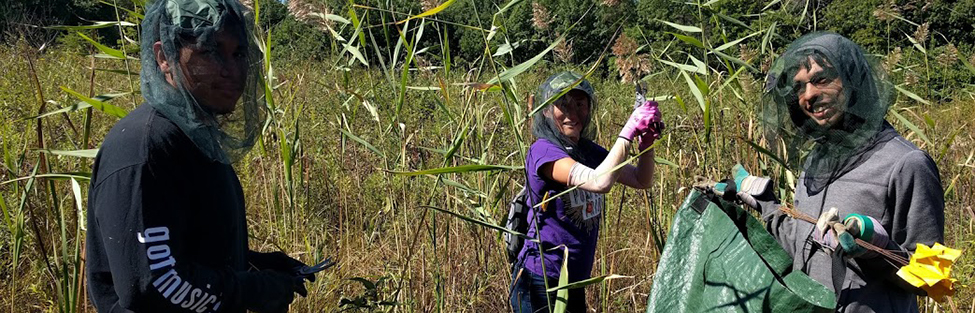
x=528 y=293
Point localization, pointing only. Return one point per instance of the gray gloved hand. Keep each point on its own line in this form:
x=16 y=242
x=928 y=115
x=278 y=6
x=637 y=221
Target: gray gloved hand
x=753 y=191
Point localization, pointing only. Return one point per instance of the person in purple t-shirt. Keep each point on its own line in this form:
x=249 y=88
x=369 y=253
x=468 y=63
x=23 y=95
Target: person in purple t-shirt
x=563 y=156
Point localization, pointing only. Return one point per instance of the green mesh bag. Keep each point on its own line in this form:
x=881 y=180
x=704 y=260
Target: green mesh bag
x=718 y=258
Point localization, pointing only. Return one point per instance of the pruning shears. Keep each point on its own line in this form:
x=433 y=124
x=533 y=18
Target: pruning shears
x=641 y=99
x=307 y=271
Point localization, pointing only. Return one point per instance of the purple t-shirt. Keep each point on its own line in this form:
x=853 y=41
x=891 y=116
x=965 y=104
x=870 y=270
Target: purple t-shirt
x=571 y=220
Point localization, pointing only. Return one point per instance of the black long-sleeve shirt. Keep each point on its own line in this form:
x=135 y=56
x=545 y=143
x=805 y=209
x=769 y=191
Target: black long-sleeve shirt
x=166 y=225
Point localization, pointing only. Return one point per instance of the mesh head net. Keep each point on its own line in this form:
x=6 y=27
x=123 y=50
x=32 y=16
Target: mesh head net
x=201 y=68
x=543 y=123
x=825 y=95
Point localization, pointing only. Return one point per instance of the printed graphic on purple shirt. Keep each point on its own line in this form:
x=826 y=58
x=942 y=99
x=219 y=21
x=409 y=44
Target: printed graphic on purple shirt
x=570 y=222
x=584 y=209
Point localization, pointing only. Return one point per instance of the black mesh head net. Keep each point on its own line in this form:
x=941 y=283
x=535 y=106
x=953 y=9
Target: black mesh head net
x=202 y=69
x=825 y=95
x=565 y=86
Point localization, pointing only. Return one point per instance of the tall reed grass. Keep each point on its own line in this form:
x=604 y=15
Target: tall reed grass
x=399 y=163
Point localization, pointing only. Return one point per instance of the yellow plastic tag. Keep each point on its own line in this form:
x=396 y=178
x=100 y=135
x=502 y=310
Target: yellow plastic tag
x=930 y=270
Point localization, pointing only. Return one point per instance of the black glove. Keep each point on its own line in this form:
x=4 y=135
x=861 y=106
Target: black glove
x=269 y=291
x=278 y=261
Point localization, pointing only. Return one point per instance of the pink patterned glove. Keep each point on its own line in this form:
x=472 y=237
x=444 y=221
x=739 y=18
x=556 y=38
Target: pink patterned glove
x=641 y=121
x=654 y=132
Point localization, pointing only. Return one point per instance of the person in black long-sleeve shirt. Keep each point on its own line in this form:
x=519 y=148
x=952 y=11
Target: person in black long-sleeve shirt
x=166 y=223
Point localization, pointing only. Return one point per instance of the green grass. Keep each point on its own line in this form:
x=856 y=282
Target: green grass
x=327 y=177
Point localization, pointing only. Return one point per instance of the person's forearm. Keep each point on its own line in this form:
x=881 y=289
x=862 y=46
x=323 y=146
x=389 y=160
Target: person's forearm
x=644 y=169
x=600 y=179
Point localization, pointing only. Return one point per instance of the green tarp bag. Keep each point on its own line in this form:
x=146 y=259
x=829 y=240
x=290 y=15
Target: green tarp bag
x=718 y=258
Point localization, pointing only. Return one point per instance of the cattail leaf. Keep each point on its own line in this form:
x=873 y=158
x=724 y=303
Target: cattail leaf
x=445 y=51
x=336 y=18
x=916 y=44
x=354 y=50
x=510 y=73
x=460 y=169
x=458 y=185
x=398 y=46
x=356 y=23
x=682 y=67
x=127 y=10
x=736 y=61
x=968 y=65
x=478 y=222
x=685 y=28
x=912 y=95
x=710 y=3
x=6 y=214
x=95 y=25
x=87 y=153
x=505 y=48
x=113 y=53
x=663 y=161
x=736 y=42
x=123 y=72
x=730 y=79
x=768 y=36
x=688 y=39
x=99 y=105
x=562 y=296
x=78 y=200
x=680 y=103
x=701 y=68
x=364 y=143
x=587 y=282
x=429 y=12
x=949 y=142
x=733 y=20
x=764 y=151
x=58 y=176
x=770 y=4
x=508 y=6
x=951 y=186
x=80 y=105
x=911 y=126
x=694 y=90
x=423 y=88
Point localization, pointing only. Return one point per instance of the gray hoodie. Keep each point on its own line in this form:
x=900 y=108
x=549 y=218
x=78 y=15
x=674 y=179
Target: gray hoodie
x=897 y=184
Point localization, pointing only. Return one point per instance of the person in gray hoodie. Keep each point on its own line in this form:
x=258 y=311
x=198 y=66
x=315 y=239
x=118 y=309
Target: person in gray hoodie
x=824 y=96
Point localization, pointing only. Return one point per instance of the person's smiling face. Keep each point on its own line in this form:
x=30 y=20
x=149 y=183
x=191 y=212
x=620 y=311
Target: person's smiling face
x=571 y=113
x=820 y=94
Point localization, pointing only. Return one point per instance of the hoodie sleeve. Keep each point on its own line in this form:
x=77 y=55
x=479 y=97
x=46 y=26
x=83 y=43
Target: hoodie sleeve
x=917 y=203
x=778 y=224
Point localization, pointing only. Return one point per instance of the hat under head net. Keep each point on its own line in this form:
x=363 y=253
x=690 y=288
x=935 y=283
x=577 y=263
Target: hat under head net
x=543 y=124
x=213 y=89
x=846 y=96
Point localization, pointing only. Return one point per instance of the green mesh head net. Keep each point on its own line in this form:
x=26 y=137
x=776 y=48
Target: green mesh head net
x=543 y=125
x=826 y=96
x=201 y=68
